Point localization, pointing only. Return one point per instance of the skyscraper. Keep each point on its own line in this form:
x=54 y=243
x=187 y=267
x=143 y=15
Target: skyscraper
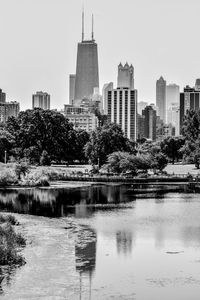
x=87 y=72
x=122 y=110
x=189 y=100
x=72 y=78
x=125 y=76
x=41 y=100
x=161 y=98
x=149 y=115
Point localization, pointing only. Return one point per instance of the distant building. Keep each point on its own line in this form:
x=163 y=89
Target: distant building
x=173 y=115
x=161 y=98
x=122 y=110
x=172 y=104
x=107 y=87
x=8 y=109
x=159 y=128
x=81 y=118
x=125 y=77
x=72 y=79
x=2 y=96
x=87 y=70
x=141 y=106
x=197 y=84
x=41 y=100
x=189 y=99
x=140 y=126
x=149 y=115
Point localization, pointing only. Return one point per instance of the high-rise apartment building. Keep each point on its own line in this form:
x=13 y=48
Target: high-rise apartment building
x=122 y=110
x=87 y=71
x=41 y=100
x=189 y=99
x=121 y=104
x=149 y=115
x=161 y=98
x=8 y=109
x=125 y=76
x=72 y=79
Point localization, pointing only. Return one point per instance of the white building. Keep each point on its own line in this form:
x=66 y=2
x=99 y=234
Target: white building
x=122 y=109
x=41 y=100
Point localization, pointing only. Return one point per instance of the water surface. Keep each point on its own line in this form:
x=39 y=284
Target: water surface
x=104 y=242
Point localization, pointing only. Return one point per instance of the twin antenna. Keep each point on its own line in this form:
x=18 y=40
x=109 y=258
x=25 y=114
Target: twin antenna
x=83 y=26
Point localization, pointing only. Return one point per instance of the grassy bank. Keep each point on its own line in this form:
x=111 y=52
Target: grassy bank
x=36 y=176
x=10 y=242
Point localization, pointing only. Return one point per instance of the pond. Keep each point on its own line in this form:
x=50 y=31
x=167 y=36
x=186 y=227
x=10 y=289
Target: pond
x=104 y=242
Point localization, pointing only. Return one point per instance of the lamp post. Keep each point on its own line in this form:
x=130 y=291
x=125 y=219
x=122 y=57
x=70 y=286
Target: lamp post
x=5 y=158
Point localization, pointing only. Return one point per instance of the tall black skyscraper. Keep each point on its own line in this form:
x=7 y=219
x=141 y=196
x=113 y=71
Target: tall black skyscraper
x=87 y=73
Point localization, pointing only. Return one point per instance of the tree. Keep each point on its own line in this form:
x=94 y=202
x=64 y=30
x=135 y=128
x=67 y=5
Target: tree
x=6 y=143
x=104 y=141
x=82 y=137
x=191 y=133
x=171 y=148
x=37 y=130
x=45 y=159
x=159 y=161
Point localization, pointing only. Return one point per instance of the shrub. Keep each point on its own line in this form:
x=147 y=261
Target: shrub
x=7 y=177
x=10 y=242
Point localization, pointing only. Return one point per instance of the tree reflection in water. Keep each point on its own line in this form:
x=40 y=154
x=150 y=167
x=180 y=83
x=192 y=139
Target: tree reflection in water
x=50 y=202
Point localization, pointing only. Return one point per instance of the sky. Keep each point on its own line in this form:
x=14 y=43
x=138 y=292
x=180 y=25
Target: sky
x=39 y=44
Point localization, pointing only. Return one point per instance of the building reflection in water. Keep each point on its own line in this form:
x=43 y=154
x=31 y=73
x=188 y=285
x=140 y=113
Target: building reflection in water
x=124 y=242
x=85 y=255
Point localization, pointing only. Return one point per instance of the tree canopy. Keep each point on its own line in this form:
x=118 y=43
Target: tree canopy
x=104 y=141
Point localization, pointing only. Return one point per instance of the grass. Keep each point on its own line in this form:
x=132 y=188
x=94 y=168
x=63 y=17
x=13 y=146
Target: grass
x=10 y=242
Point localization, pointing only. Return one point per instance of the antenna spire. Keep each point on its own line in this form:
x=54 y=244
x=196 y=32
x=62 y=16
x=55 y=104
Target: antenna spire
x=92 y=27
x=83 y=24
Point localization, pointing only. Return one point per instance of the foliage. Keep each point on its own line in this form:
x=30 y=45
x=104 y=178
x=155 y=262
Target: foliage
x=171 y=148
x=10 y=242
x=159 y=161
x=7 y=177
x=21 y=169
x=104 y=141
x=45 y=159
x=37 y=130
x=6 y=143
x=82 y=138
x=124 y=162
x=35 y=178
x=191 y=132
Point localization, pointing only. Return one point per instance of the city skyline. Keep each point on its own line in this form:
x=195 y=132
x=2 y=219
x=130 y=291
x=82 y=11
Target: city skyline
x=28 y=57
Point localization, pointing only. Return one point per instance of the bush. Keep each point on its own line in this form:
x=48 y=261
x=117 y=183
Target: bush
x=10 y=243
x=35 y=178
x=7 y=177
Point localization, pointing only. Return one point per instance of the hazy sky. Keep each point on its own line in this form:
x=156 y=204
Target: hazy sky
x=39 y=44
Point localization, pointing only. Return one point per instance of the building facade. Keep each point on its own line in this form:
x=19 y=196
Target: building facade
x=149 y=115
x=41 y=100
x=107 y=87
x=2 y=96
x=87 y=69
x=8 y=109
x=161 y=98
x=122 y=110
x=72 y=79
x=189 y=100
x=125 y=78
